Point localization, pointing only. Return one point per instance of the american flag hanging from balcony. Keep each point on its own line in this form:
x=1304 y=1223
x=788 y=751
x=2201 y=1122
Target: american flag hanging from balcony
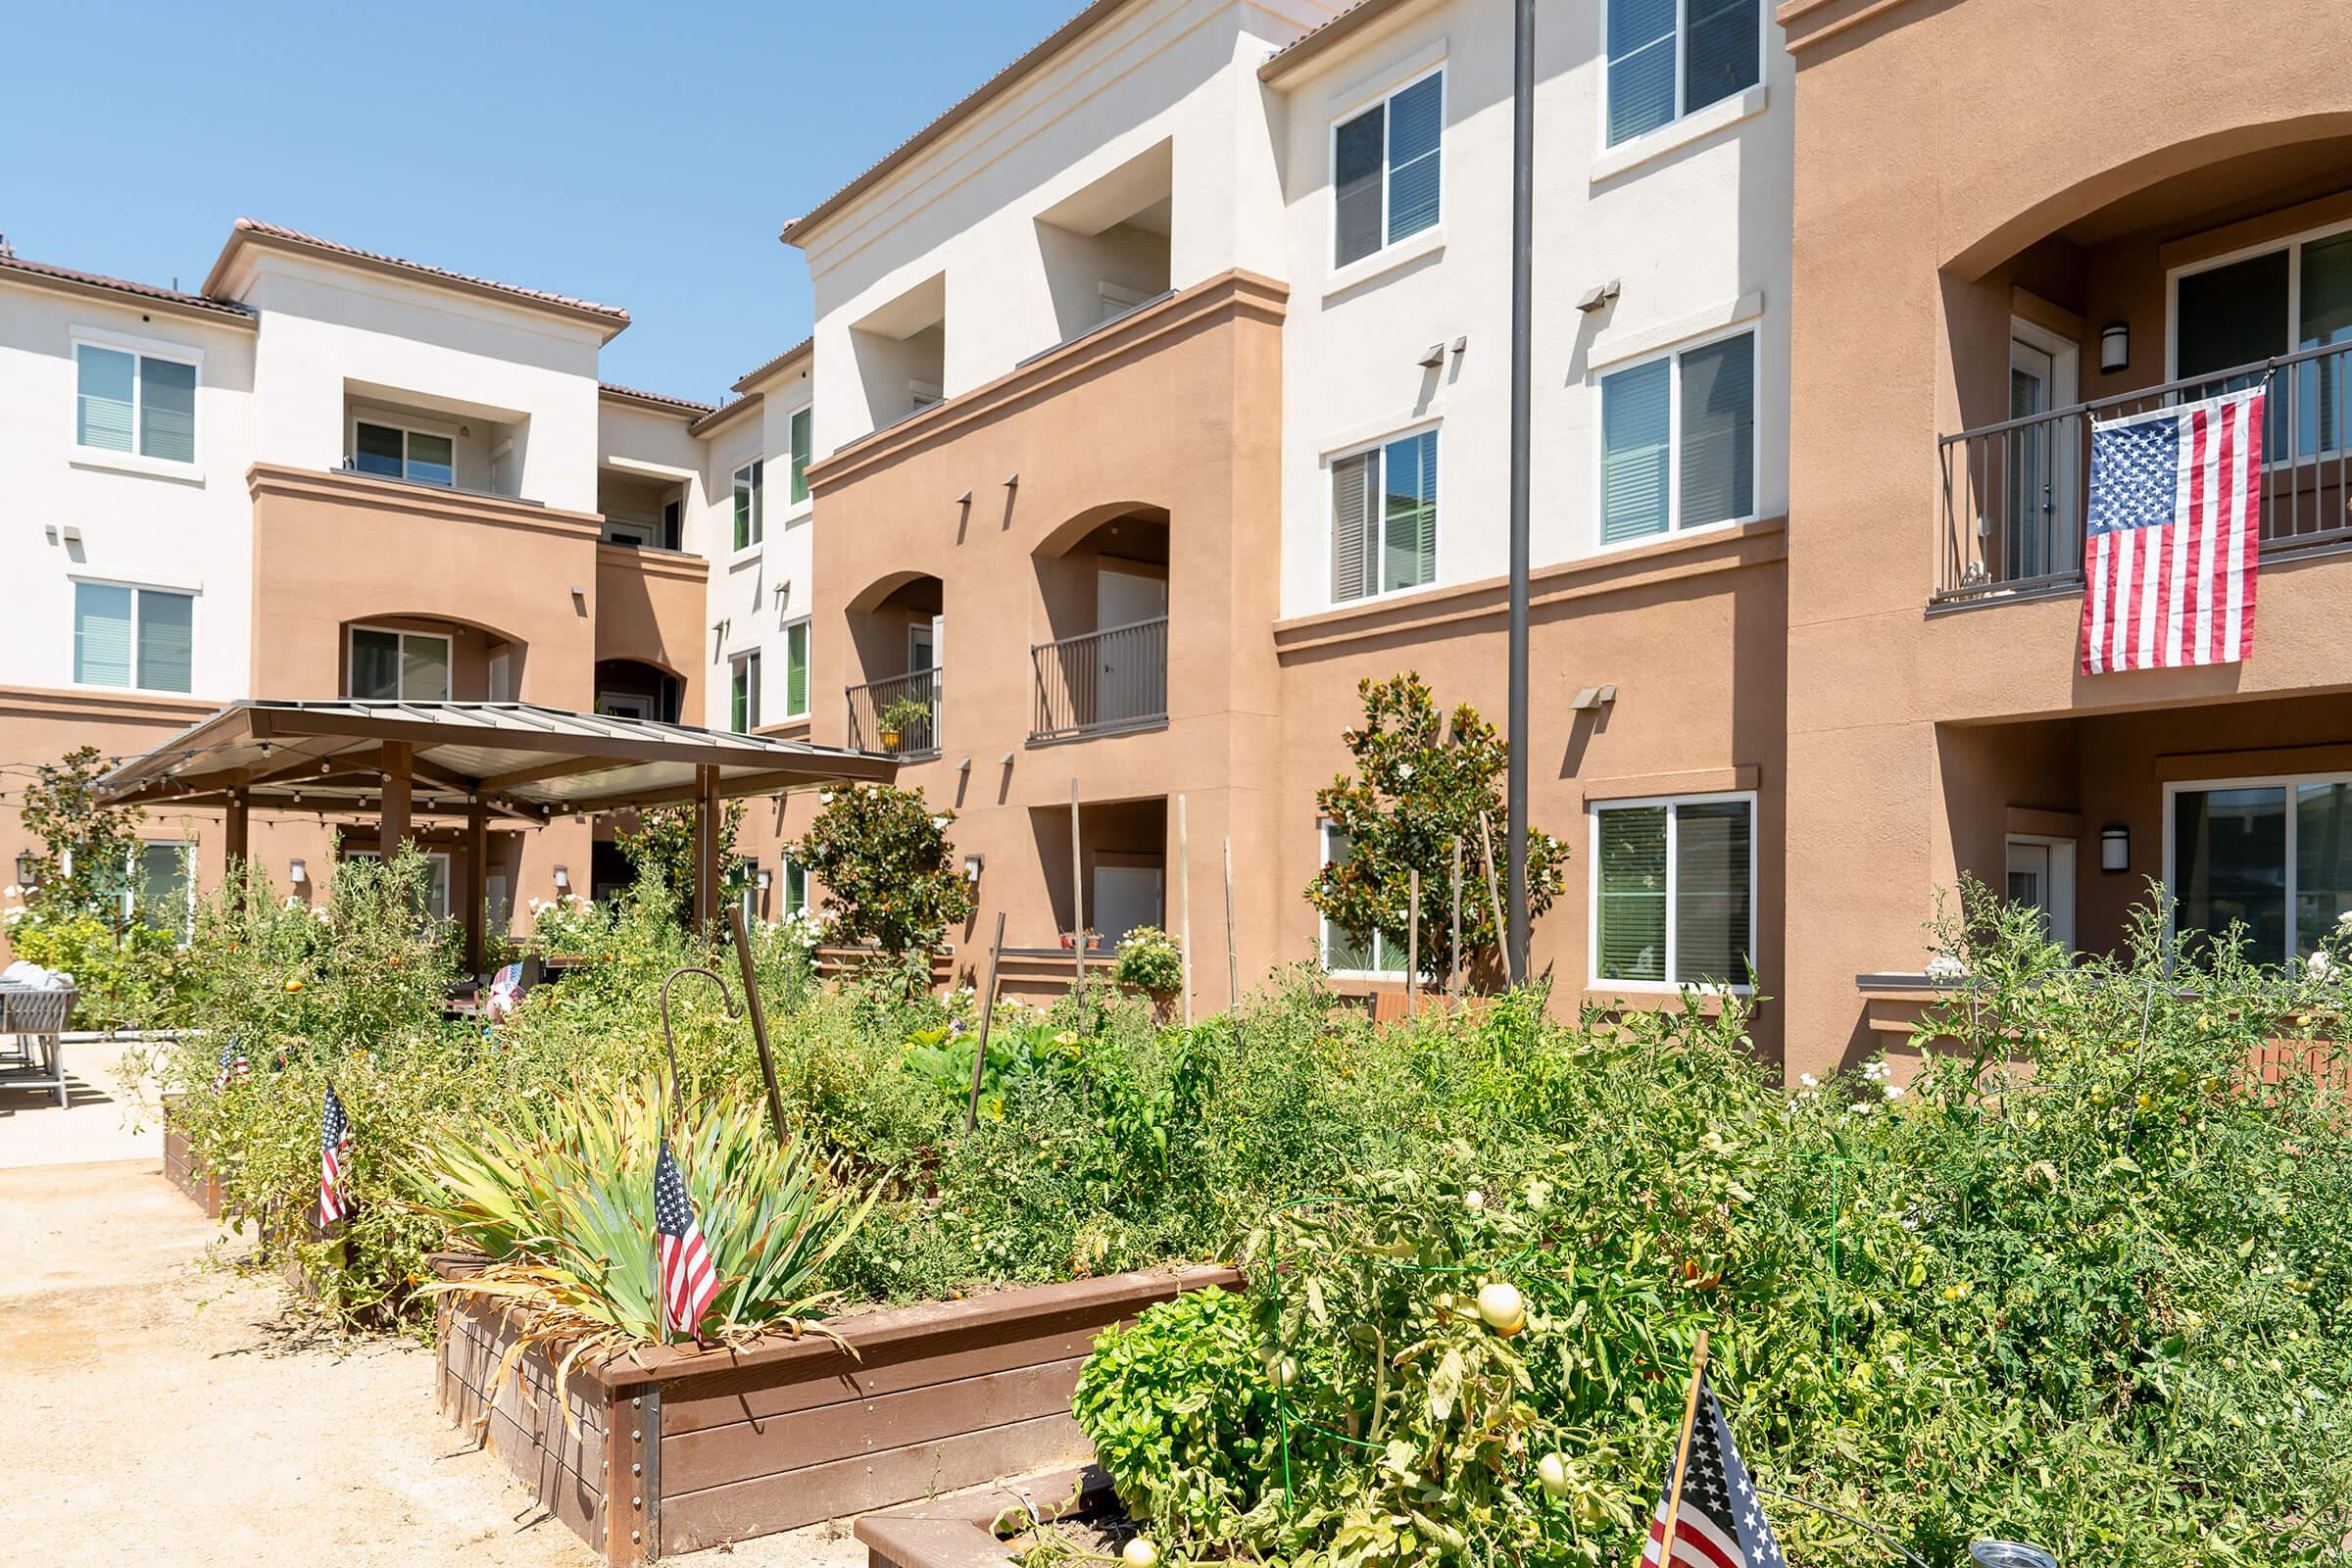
x=1721 y=1522
x=2174 y=534
x=689 y=1282
x=334 y=1142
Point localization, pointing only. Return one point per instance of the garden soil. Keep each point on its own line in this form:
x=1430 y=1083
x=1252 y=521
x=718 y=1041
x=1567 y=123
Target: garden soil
x=165 y=1411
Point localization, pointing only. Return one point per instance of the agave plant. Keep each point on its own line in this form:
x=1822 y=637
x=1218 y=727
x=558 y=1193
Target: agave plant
x=561 y=1200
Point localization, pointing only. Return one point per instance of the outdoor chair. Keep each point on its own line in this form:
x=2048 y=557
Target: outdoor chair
x=32 y=1017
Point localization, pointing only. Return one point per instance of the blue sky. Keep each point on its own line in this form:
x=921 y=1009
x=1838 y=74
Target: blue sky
x=642 y=155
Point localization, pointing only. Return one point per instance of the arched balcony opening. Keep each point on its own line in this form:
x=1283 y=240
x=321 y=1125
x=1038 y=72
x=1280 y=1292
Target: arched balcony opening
x=632 y=688
x=2208 y=268
x=898 y=634
x=428 y=658
x=1104 y=583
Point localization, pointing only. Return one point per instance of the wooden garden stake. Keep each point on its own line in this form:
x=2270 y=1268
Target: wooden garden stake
x=988 y=1010
x=1233 y=956
x=1485 y=836
x=1184 y=888
x=1453 y=959
x=1077 y=893
x=1412 y=941
x=1681 y=1452
x=751 y=1005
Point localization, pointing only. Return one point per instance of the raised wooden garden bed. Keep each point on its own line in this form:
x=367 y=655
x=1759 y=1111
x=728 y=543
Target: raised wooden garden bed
x=185 y=1170
x=963 y=1531
x=675 y=1451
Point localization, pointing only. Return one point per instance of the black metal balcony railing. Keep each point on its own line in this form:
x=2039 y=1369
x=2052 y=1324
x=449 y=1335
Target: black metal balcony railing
x=1102 y=682
x=2016 y=494
x=898 y=715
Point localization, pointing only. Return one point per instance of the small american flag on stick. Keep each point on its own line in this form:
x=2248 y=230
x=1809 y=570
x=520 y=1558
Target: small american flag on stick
x=1709 y=1515
x=233 y=1065
x=2175 y=535
x=689 y=1282
x=334 y=1142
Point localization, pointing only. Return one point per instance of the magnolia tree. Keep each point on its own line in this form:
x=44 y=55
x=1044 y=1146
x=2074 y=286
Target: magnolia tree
x=888 y=870
x=662 y=846
x=1424 y=782
x=84 y=864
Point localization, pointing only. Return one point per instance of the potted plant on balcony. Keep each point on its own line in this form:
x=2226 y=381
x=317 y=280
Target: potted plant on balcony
x=902 y=717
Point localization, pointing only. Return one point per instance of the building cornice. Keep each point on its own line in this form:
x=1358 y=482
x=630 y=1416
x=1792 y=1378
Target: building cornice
x=123 y=292
x=395 y=494
x=1237 y=295
x=676 y=565
x=1807 y=22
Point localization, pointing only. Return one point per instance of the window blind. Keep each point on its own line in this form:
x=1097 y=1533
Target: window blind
x=101 y=634
x=102 y=416
x=1356 y=185
x=1641 y=66
x=1415 y=130
x=1636 y=430
x=1352 y=483
x=168 y=410
x=1712 y=854
x=166 y=641
x=799 y=457
x=379 y=450
x=795 y=669
x=432 y=458
x=1632 y=855
x=1719 y=426
x=1409 y=550
x=1720 y=50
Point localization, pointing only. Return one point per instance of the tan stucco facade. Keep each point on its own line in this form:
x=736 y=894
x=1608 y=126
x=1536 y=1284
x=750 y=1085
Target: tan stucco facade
x=1961 y=166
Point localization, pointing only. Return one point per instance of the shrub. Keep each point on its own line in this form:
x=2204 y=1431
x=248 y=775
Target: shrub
x=127 y=980
x=887 y=868
x=84 y=864
x=1151 y=962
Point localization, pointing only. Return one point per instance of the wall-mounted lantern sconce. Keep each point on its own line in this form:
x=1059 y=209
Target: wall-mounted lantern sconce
x=972 y=865
x=766 y=877
x=2115 y=347
x=28 y=868
x=2115 y=849
x=296 y=872
x=563 y=879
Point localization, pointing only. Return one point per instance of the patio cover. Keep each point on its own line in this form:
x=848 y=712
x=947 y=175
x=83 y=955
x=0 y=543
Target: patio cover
x=517 y=761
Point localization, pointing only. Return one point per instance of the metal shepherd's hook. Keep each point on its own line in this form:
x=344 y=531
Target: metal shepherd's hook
x=668 y=1038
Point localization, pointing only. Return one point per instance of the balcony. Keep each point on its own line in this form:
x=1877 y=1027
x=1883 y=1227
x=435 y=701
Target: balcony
x=2016 y=494
x=897 y=716
x=1101 y=683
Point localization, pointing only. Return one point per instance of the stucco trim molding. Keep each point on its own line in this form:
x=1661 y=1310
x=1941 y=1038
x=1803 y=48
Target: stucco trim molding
x=1630 y=343
x=1686 y=781
x=361 y=490
x=105 y=708
x=1807 y=22
x=1753 y=544
x=1235 y=295
x=2037 y=822
x=673 y=564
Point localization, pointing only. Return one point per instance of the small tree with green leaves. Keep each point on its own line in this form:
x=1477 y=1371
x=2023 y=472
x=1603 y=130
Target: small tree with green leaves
x=84 y=864
x=1422 y=782
x=887 y=868
x=662 y=845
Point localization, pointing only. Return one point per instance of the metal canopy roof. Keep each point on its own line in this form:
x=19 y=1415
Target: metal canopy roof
x=519 y=759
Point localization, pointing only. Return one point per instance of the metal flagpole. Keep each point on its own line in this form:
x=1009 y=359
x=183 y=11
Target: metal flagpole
x=1523 y=161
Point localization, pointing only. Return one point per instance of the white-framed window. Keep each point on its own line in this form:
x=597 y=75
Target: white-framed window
x=2258 y=304
x=796 y=890
x=407 y=667
x=2270 y=853
x=1678 y=440
x=162 y=887
x=436 y=893
x=399 y=452
x=795 y=669
x=1384 y=516
x=1357 y=954
x=134 y=402
x=798 y=435
x=1674 y=892
x=1668 y=58
x=743 y=693
x=135 y=637
x=747 y=887
x=1386 y=167
x=750 y=507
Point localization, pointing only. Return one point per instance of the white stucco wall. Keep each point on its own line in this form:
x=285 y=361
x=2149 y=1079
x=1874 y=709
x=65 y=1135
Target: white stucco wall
x=745 y=584
x=1183 y=72
x=1698 y=232
x=164 y=525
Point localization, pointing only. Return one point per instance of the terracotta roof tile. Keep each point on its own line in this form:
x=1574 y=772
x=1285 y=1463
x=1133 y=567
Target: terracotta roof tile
x=725 y=412
x=1319 y=37
x=639 y=395
x=776 y=363
x=249 y=227
x=119 y=285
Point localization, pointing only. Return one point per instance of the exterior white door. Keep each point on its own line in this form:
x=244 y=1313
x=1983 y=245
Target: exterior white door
x=2041 y=876
x=1127 y=679
x=2043 y=520
x=1125 y=897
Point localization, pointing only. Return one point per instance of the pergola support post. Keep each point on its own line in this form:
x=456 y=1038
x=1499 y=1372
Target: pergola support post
x=478 y=867
x=392 y=821
x=236 y=830
x=706 y=822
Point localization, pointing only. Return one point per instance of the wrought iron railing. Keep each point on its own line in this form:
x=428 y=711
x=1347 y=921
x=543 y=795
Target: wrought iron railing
x=898 y=715
x=2016 y=494
x=1102 y=682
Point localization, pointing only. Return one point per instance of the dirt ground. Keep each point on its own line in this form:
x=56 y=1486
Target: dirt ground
x=165 y=1413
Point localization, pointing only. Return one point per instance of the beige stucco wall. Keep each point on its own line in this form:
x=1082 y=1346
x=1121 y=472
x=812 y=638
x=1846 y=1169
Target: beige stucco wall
x=1927 y=158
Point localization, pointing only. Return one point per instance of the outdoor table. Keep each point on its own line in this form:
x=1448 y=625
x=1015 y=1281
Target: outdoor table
x=34 y=1020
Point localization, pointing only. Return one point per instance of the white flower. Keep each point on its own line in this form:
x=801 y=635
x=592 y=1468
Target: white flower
x=1864 y=1109
x=1944 y=968
x=939 y=823
x=534 y=904
x=11 y=891
x=2320 y=964
x=1405 y=770
x=1808 y=1079
x=1895 y=1091
x=824 y=797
